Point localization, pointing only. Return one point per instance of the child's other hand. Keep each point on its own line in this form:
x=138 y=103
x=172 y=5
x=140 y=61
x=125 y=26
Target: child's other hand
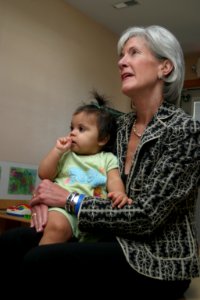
x=119 y=199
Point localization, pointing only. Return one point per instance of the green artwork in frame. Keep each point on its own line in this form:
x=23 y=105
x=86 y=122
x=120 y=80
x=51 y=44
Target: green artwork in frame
x=21 y=181
x=17 y=180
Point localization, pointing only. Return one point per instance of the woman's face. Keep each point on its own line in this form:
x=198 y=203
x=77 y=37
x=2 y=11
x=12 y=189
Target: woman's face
x=139 y=68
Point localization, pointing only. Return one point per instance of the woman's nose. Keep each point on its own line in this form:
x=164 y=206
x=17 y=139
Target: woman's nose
x=122 y=62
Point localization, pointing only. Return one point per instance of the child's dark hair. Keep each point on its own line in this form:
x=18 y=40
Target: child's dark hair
x=106 y=121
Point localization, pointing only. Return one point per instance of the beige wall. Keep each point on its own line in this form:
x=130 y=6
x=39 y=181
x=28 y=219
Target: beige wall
x=51 y=56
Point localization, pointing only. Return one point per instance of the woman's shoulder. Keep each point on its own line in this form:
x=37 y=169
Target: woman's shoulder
x=177 y=116
x=186 y=120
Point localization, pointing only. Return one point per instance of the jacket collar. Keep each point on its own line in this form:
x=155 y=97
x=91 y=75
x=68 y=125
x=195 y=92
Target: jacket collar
x=165 y=111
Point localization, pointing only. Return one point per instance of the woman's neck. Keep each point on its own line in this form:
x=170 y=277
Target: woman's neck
x=145 y=110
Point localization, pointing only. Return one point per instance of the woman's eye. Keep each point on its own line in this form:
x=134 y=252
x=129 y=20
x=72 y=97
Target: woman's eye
x=133 y=51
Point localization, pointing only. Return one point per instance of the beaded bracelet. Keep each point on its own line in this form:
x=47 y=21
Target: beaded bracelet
x=73 y=202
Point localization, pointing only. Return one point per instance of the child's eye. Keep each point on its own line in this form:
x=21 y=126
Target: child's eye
x=81 y=129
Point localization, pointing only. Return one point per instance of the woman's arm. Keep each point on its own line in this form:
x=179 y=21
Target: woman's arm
x=164 y=183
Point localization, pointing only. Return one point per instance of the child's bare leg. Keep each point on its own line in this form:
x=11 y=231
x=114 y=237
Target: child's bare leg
x=57 y=230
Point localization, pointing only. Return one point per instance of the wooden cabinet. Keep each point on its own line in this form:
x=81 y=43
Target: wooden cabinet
x=192 y=84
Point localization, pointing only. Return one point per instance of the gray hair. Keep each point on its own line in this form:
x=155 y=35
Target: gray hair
x=163 y=44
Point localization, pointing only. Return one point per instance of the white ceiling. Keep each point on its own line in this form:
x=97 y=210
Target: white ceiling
x=182 y=17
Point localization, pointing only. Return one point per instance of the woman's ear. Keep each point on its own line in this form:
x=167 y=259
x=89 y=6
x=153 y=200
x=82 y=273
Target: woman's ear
x=166 y=67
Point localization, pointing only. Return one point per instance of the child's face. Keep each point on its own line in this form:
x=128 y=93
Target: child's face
x=84 y=134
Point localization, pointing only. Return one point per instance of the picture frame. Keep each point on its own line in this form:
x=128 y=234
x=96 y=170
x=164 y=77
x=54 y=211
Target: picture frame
x=17 y=180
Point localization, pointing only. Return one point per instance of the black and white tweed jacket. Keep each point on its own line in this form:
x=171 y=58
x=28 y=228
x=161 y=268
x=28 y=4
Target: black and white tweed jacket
x=157 y=232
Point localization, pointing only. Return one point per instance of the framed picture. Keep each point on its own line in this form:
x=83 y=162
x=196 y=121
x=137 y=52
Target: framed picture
x=17 y=180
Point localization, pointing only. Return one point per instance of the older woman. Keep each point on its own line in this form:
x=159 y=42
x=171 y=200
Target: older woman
x=150 y=247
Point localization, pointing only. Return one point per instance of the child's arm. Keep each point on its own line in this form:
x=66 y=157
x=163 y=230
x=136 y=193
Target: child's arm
x=116 y=189
x=48 y=166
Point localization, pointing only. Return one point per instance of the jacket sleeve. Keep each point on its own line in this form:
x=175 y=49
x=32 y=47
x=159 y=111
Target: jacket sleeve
x=163 y=185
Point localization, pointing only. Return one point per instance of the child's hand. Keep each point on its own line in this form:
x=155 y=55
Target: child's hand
x=63 y=144
x=119 y=199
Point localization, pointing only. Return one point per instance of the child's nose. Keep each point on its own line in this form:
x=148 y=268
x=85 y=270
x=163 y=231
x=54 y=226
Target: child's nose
x=72 y=133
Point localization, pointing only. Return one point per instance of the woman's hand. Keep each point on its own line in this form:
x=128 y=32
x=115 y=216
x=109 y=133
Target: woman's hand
x=39 y=216
x=50 y=194
x=47 y=194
